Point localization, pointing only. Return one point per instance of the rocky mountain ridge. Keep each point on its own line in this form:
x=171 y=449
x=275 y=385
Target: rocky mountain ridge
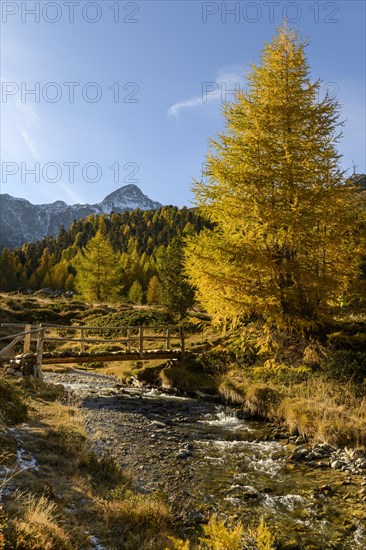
x=22 y=221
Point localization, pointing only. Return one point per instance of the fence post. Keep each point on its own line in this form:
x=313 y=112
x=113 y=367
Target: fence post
x=181 y=333
x=168 y=339
x=38 y=366
x=128 y=340
x=141 y=336
x=27 y=339
x=82 y=344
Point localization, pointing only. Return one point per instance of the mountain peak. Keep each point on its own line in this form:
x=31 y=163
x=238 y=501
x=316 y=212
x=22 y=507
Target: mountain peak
x=128 y=197
x=22 y=221
x=130 y=186
x=125 y=190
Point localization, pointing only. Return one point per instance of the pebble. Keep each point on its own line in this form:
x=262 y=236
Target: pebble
x=337 y=464
x=322 y=455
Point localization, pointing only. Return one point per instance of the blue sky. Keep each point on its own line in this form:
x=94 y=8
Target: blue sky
x=160 y=56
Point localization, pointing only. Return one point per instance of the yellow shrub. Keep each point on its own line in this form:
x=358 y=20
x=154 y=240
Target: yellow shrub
x=263 y=537
x=218 y=537
x=179 y=544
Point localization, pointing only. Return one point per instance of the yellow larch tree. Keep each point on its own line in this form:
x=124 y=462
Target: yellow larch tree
x=285 y=242
x=97 y=271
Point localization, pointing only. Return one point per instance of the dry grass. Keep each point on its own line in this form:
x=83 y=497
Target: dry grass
x=74 y=492
x=38 y=524
x=262 y=399
x=317 y=409
x=136 y=521
x=326 y=413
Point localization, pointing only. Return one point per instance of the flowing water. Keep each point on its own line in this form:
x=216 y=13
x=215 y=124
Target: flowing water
x=199 y=452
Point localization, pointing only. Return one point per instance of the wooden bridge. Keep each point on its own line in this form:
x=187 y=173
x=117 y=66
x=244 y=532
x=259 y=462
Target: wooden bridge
x=134 y=343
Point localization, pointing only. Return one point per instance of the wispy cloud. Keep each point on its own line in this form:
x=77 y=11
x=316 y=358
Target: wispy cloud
x=75 y=198
x=222 y=88
x=30 y=143
x=20 y=128
x=20 y=119
x=175 y=109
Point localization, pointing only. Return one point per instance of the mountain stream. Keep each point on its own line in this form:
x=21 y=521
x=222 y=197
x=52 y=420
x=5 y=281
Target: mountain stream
x=207 y=460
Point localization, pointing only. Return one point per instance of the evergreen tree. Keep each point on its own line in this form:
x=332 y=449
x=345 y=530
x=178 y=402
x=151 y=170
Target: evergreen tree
x=7 y=270
x=136 y=235
x=70 y=282
x=43 y=273
x=285 y=243
x=97 y=276
x=136 y=294
x=153 y=291
x=176 y=294
x=60 y=274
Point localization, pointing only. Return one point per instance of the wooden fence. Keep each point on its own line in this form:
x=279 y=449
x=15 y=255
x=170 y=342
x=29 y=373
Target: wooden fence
x=137 y=342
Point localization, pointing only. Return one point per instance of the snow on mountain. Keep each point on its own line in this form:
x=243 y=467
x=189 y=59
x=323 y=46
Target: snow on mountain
x=22 y=221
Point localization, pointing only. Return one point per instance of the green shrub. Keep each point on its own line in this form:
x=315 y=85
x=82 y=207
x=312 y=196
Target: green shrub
x=103 y=348
x=37 y=315
x=145 y=372
x=343 y=340
x=280 y=373
x=186 y=376
x=94 y=365
x=13 y=409
x=345 y=366
x=93 y=311
x=104 y=471
x=129 y=318
x=42 y=390
x=215 y=362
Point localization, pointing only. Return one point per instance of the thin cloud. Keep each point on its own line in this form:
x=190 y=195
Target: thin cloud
x=222 y=88
x=27 y=122
x=175 y=109
x=20 y=123
x=20 y=128
x=69 y=191
x=30 y=143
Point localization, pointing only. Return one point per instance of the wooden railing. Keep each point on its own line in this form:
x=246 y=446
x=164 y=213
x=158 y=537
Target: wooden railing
x=137 y=340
